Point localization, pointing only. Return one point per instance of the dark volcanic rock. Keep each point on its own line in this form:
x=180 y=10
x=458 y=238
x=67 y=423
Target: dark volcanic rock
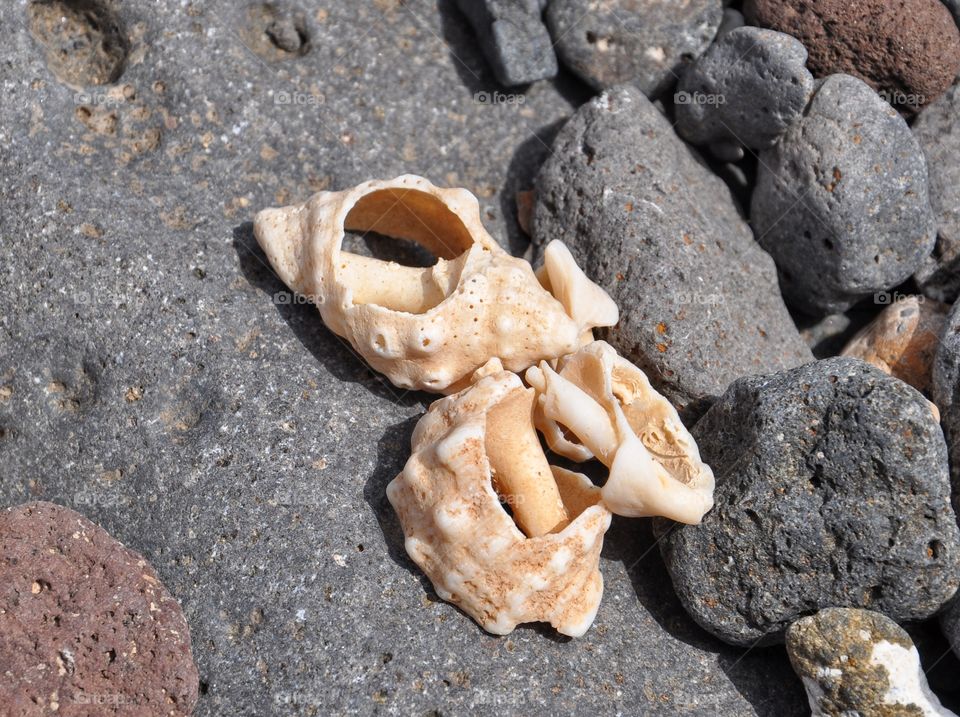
x=644 y=42
x=938 y=131
x=950 y=620
x=514 y=39
x=748 y=88
x=832 y=491
x=841 y=200
x=908 y=50
x=86 y=627
x=699 y=303
x=946 y=392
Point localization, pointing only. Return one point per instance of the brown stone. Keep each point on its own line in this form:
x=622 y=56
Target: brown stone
x=903 y=340
x=908 y=50
x=86 y=627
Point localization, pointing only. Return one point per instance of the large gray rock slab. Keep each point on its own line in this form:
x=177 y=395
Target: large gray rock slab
x=937 y=129
x=841 y=200
x=156 y=377
x=832 y=491
x=699 y=302
x=645 y=42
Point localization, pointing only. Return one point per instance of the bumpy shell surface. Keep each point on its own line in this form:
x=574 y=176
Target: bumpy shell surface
x=429 y=328
x=460 y=535
x=600 y=405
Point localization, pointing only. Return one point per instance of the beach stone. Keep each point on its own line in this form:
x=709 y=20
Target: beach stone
x=86 y=626
x=699 y=303
x=841 y=200
x=832 y=491
x=748 y=87
x=903 y=340
x=946 y=392
x=514 y=39
x=937 y=129
x=859 y=662
x=908 y=51
x=950 y=621
x=644 y=42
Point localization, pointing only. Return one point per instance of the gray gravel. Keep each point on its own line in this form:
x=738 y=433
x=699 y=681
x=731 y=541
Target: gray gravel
x=699 y=303
x=150 y=379
x=832 y=491
x=841 y=201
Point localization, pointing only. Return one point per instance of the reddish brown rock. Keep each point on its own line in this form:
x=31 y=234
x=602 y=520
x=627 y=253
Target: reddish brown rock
x=903 y=340
x=908 y=50
x=86 y=627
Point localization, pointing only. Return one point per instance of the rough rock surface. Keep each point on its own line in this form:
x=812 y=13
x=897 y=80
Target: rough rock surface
x=841 y=201
x=85 y=623
x=908 y=50
x=946 y=392
x=747 y=88
x=937 y=129
x=645 y=42
x=859 y=662
x=832 y=491
x=514 y=39
x=155 y=375
x=699 y=304
x=903 y=340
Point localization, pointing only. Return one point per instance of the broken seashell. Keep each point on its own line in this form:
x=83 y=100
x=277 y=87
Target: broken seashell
x=461 y=536
x=599 y=405
x=430 y=328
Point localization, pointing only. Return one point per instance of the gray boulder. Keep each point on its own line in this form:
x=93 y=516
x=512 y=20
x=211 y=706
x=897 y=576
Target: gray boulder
x=514 y=39
x=646 y=42
x=832 y=491
x=748 y=88
x=937 y=129
x=841 y=201
x=698 y=298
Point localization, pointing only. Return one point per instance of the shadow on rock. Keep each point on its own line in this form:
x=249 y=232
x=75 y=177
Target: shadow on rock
x=763 y=676
x=336 y=355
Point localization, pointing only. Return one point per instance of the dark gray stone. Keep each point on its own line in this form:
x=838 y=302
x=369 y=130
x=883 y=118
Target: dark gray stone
x=699 y=304
x=732 y=19
x=644 y=42
x=832 y=491
x=841 y=201
x=954 y=7
x=749 y=87
x=514 y=39
x=937 y=129
x=945 y=387
x=156 y=375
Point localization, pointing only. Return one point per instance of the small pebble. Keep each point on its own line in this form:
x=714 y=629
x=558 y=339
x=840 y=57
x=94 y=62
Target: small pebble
x=859 y=662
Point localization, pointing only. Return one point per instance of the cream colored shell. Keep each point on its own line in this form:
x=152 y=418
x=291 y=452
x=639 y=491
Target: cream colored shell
x=598 y=404
x=430 y=328
x=459 y=534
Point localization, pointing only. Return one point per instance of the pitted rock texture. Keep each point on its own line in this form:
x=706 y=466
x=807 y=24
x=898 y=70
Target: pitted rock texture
x=514 y=39
x=86 y=627
x=699 y=302
x=946 y=392
x=644 y=42
x=832 y=491
x=937 y=129
x=908 y=50
x=841 y=200
x=748 y=88
x=859 y=662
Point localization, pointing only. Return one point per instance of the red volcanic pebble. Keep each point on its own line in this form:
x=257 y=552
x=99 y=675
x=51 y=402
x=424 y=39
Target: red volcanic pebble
x=86 y=627
x=908 y=50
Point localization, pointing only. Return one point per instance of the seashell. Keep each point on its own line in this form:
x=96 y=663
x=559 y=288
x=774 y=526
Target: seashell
x=461 y=536
x=430 y=328
x=599 y=405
